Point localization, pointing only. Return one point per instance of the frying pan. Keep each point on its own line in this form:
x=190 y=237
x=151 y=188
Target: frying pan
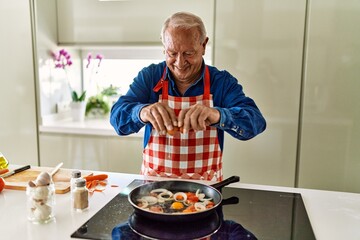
x=211 y=191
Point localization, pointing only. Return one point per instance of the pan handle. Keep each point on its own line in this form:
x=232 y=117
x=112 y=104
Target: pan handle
x=230 y=201
x=226 y=182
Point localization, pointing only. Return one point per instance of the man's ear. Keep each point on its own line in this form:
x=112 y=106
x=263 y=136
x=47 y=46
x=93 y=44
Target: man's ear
x=204 y=45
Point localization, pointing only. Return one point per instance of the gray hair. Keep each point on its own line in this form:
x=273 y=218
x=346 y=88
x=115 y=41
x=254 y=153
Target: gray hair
x=184 y=20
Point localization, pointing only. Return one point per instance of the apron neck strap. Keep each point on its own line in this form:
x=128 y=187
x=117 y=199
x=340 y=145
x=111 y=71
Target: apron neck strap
x=207 y=83
x=163 y=83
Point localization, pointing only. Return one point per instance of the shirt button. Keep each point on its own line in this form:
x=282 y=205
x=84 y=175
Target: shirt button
x=222 y=125
x=241 y=132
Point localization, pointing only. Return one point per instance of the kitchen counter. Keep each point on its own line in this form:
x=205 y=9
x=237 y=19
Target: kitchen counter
x=333 y=215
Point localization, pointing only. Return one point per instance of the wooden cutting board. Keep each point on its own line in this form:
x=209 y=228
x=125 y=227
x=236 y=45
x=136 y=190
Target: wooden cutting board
x=61 y=179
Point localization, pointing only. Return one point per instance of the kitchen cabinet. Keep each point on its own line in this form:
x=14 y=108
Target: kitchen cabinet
x=307 y=90
x=125 y=154
x=261 y=44
x=102 y=153
x=330 y=136
x=18 y=110
x=114 y=22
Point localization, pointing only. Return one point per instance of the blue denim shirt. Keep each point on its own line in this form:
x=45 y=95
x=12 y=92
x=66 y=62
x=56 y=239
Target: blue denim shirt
x=240 y=117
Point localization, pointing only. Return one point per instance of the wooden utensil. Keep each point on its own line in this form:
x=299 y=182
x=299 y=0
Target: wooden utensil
x=56 y=169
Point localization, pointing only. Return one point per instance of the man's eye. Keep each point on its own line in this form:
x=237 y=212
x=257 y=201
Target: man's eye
x=189 y=54
x=171 y=54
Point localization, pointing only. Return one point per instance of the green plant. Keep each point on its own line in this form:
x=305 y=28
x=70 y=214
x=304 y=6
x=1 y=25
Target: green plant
x=97 y=102
x=76 y=98
x=110 y=91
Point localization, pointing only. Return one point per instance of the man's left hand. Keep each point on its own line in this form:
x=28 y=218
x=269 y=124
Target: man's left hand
x=197 y=117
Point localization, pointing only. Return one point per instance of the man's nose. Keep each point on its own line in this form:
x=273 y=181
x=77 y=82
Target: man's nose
x=180 y=60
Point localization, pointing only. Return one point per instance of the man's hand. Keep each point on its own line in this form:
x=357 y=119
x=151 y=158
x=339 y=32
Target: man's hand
x=160 y=115
x=197 y=117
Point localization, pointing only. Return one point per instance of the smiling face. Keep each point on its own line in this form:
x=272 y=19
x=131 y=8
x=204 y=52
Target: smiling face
x=184 y=52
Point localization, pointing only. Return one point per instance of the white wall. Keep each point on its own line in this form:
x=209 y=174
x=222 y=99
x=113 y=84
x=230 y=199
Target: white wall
x=18 y=120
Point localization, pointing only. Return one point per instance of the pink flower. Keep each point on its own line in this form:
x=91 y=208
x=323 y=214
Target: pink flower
x=100 y=57
x=62 y=59
x=89 y=59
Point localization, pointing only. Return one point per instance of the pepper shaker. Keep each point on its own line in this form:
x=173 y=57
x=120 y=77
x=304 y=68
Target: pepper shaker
x=80 y=196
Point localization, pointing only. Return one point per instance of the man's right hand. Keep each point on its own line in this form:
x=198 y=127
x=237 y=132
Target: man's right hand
x=160 y=115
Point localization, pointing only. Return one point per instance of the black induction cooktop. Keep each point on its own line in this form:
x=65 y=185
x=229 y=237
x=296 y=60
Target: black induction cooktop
x=258 y=214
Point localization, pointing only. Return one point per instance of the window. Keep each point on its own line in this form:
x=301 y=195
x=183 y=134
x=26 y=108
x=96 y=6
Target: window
x=120 y=66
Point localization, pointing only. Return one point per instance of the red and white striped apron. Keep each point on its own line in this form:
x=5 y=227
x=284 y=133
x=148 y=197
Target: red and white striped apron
x=194 y=155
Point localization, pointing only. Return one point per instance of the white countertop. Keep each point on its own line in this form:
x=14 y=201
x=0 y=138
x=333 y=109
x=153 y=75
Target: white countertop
x=88 y=127
x=333 y=215
x=62 y=124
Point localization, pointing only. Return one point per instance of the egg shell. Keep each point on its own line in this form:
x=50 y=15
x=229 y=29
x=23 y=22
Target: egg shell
x=43 y=179
x=43 y=212
x=41 y=193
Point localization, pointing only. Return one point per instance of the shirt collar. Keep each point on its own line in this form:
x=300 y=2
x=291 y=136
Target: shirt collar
x=202 y=76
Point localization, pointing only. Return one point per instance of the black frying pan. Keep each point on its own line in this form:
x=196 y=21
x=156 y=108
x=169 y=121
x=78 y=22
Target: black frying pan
x=212 y=191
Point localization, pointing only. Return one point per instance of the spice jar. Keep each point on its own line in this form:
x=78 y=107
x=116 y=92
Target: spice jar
x=80 y=196
x=41 y=199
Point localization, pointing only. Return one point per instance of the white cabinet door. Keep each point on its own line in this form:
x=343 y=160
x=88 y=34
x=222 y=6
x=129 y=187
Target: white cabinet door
x=101 y=153
x=18 y=125
x=330 y=137
x=125 y=154
x=260 y=42
x=75 y=151
x=138 y=21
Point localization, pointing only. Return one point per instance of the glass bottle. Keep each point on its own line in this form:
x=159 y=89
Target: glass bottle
x=40 y=203
x=3 y=162
x=80 y=196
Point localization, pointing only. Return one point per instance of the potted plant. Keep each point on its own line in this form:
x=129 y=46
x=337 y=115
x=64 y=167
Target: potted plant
x=99 y=105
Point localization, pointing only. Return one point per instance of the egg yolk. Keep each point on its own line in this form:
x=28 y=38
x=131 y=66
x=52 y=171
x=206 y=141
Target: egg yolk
x=177 y=205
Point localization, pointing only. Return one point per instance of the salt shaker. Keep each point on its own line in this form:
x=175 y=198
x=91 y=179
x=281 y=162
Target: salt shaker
x=76 y=174
x=80 y=196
